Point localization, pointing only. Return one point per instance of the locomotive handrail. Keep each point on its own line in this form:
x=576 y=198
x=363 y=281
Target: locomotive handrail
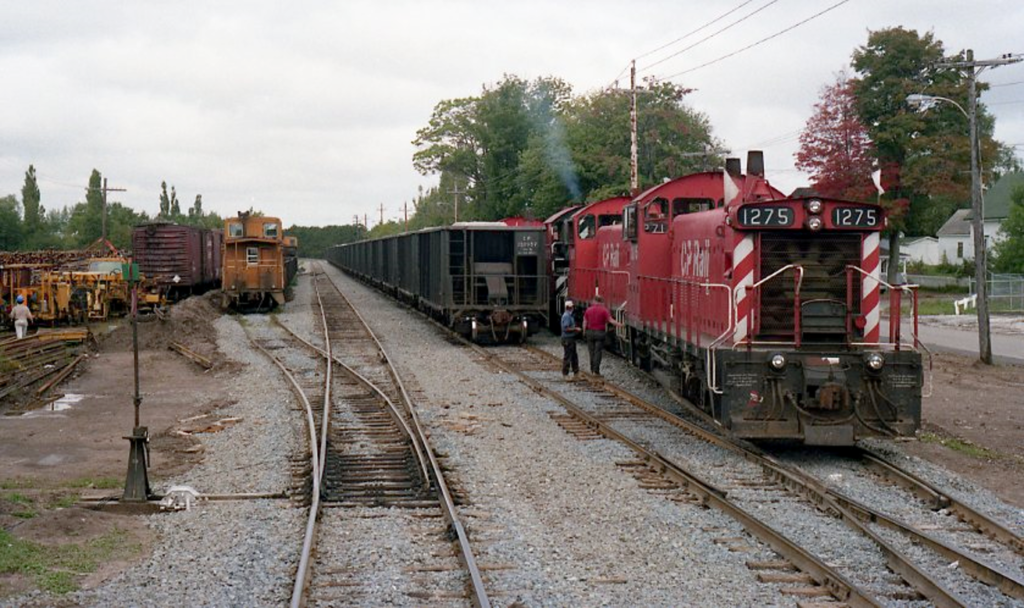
x=749 y=288
x=907 y=287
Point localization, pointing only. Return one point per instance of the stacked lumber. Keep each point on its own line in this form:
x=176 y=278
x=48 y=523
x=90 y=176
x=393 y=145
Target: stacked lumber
x=31 y=360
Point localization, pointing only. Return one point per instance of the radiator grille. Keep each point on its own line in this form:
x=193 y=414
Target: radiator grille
x=824 y=258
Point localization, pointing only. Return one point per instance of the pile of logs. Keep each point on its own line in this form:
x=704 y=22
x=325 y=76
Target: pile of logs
x=43 y=258
x=40 y=361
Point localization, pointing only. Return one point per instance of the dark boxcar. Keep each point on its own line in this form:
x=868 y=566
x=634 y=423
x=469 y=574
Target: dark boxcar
x=487 y=281
x=181 y=260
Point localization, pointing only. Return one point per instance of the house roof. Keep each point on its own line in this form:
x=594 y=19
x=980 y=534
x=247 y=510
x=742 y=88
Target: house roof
x=959 y=224
x=999 y=197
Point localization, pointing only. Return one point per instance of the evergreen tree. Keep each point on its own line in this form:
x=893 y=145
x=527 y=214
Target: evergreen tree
x=30 y=200
x=10 y=224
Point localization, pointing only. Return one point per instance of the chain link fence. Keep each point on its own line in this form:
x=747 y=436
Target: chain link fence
x=1005 y=292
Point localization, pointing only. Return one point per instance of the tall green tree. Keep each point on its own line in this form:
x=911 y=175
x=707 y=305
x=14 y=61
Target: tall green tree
x=925 y=156
x=673 y=139
x=85 y=223
x=11 y=229
x=30 y=200
x=1009 y=253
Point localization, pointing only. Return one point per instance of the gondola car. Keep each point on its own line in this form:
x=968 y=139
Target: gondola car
x=254 y=274
x=487 y=281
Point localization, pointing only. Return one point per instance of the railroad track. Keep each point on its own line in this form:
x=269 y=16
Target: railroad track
x=785 y=506
x=370 y=473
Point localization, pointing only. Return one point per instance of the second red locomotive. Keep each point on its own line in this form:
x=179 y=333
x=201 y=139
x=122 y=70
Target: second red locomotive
x=761 y=308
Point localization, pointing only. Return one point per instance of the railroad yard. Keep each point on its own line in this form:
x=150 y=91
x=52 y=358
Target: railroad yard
x=587 y=493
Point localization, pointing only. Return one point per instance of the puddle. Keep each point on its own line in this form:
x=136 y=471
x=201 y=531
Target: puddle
x=66 y=402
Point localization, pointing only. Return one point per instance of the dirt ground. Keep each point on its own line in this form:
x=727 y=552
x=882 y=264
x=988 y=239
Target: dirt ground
x=49 y=457
x=973 y=424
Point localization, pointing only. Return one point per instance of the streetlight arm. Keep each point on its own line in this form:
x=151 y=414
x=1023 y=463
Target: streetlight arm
x=923 y=102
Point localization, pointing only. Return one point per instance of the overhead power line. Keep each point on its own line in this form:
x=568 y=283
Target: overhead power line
x=709 y=36
x=761 y=41
x=694 y=31
x=1006 y=84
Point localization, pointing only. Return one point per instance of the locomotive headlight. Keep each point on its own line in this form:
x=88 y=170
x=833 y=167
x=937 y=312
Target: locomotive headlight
x=778 y=361
x=874 y=361
x=814 y=224
x=814 y=206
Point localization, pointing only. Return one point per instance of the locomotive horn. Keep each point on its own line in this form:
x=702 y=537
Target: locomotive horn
x=733 y=167
x=755 y=163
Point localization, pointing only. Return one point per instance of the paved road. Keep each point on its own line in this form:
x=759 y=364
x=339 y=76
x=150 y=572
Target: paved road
x=1006 y=348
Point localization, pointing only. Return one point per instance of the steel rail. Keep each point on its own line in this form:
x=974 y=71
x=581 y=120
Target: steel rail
x=373 y=388
x=823 y=574
x=302 y=574
x=942 y=500
x=821 y=497
x=479 y=595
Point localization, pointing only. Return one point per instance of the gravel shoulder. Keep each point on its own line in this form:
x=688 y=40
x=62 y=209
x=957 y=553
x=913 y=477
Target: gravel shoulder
x=574 y=530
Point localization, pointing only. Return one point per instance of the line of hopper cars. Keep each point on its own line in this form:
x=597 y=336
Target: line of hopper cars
x=761 y=308
x=251 y=260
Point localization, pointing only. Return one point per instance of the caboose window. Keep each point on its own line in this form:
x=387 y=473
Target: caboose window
x=235 y=229
x=270 y=230
x=587 y=229
x=252 y=255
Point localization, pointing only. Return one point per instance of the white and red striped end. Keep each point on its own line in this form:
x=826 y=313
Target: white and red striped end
x=743 y=276
x=869 y=302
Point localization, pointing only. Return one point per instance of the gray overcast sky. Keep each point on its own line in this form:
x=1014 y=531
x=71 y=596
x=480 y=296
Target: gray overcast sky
x=306 y=110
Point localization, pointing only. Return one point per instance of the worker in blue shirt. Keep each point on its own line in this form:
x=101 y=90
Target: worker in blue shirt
x=570 y=331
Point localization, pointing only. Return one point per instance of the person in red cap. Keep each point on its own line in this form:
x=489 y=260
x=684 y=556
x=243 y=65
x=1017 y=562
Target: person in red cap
x=595 y=326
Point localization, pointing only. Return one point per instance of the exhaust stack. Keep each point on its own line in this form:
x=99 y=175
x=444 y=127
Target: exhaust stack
x=755 y=163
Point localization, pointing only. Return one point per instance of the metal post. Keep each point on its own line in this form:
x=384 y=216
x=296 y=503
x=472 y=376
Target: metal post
x=136 y=485
x=634 y=179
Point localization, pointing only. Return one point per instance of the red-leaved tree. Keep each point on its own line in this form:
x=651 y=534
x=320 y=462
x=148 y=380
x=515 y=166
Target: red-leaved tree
x=835 y=148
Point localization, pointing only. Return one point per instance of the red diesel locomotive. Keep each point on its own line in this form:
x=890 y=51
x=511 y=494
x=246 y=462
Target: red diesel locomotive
x=761 y=308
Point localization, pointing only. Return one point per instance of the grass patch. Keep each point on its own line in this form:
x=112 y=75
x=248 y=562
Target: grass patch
x=18 y=483
x=24 y=514
x=16 y=497
x=101 y=483
x=56 y=568
x=960 y=445
x=65 y=501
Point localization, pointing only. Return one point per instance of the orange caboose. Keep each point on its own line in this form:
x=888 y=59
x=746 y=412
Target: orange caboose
x=253 y=275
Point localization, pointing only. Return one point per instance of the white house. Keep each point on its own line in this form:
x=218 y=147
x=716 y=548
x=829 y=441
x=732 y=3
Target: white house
x=956 y=237
x=922 y=249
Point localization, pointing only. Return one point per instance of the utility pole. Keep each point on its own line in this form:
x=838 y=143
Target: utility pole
x=382 y=213
x=456 y=193
x=634 y=180
x=406 y=207
x=104 y=190
x=973 y=68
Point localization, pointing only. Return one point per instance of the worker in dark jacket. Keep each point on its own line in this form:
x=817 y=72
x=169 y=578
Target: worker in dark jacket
x=570 y=358
x=595 y=326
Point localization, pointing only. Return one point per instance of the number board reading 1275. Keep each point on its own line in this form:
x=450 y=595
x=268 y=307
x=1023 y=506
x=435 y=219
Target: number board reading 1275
x=765 y=216
x=856 y=217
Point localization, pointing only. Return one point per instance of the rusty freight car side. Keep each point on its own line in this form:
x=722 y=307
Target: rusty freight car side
x=253 y=273
x=181 y=260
